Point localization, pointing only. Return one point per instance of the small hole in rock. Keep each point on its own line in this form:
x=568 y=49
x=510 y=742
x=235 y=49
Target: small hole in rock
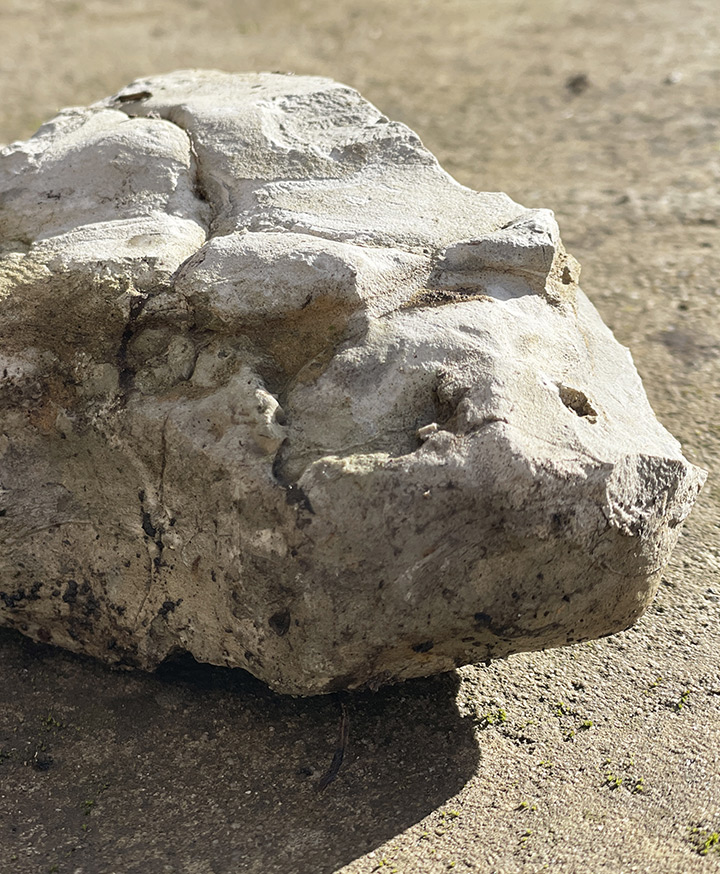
x=577 y=401
x=280 y=622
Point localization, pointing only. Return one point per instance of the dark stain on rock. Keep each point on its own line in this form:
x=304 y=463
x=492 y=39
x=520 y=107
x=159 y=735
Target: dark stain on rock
x=169 y=607
x=71 y=592
x=91 y=605
x=485 y=622
x=561 y=521
x=425 y=646
x=11 y=600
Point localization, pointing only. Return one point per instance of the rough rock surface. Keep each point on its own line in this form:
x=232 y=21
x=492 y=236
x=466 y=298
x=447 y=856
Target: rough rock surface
x=276 y=390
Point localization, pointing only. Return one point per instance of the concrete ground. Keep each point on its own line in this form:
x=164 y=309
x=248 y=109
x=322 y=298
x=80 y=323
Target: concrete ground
x=603 y=757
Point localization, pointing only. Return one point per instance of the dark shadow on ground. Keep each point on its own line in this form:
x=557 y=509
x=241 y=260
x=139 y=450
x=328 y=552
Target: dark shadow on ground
x=204 y=770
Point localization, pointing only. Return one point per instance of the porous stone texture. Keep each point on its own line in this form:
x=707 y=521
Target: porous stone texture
x=278 y=391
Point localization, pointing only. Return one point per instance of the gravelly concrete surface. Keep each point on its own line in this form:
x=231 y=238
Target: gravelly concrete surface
x=599 y=757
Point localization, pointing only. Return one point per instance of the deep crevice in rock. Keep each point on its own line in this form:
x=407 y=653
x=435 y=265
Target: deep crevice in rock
x=200 y=187
x=126 y=373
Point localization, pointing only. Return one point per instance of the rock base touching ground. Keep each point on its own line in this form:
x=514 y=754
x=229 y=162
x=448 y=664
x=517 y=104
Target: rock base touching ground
x=278 y=391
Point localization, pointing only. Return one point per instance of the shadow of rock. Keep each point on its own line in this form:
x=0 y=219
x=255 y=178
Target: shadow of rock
x=204 y=770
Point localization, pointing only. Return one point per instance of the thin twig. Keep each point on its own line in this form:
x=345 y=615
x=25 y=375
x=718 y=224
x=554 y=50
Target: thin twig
x=339 y=755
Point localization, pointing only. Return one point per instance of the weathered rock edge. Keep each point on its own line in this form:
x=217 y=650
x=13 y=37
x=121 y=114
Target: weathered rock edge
x=276 y=390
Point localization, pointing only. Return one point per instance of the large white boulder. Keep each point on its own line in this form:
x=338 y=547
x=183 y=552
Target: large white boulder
x=275 y=389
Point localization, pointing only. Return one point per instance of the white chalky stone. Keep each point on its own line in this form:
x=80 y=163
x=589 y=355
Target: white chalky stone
x=276 y=390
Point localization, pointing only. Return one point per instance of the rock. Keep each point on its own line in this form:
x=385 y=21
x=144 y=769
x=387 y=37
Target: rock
x=278 y=391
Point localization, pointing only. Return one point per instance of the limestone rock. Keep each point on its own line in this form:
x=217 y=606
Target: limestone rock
x=276 y=390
